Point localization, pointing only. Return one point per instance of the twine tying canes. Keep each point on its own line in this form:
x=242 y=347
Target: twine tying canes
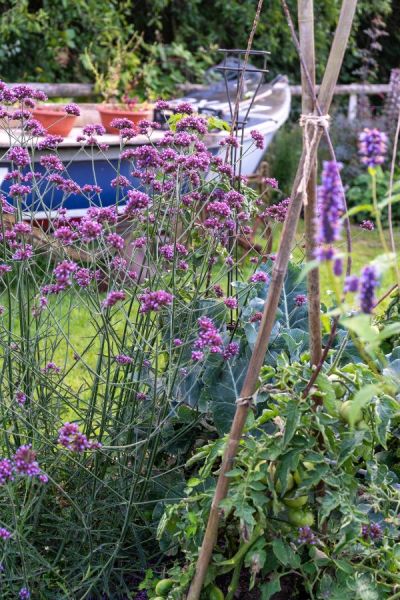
x=307 y=122
x=248 y=401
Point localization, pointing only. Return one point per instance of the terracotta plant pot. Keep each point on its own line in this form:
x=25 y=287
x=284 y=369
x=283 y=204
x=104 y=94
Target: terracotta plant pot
x=54 y=119
x=137 y=113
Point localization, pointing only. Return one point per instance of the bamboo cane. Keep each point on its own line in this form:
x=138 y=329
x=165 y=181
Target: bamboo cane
x=306 y=38
x=250 y=384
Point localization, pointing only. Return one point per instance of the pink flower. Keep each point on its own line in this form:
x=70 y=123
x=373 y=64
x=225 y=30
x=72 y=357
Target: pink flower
x=113 y=298
x=71 y=438
x=231 y=302
x=153 y=301
x=25 y=461
x=259 y=276
x=72 y=109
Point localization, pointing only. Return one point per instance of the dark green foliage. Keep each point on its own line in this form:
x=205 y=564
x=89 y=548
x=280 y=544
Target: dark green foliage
x=280 y=461
x=47 y=41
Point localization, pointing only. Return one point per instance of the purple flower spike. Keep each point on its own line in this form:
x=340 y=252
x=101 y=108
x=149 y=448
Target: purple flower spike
x=24 y=594
x=351 y=284
x=372 y=147
x=368 y=282
x=330 y=204
x=338 y=267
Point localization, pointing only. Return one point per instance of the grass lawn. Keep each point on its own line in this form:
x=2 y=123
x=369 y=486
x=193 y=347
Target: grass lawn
x=79 y=329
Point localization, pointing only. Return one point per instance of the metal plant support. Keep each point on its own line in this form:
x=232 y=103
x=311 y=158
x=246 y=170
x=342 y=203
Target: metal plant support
x=238 y=75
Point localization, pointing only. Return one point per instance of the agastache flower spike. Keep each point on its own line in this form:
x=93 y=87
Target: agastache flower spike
x=330 y=204
x=372 y=147
x=368 y=282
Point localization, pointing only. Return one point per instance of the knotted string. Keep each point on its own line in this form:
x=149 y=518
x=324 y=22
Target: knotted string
x=310 y=122
x=248 y=401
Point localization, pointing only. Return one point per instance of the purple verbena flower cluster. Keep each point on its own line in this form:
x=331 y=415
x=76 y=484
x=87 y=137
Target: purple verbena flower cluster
x=71 y=438
x=154 y=301
x=372 y=531
x=277 y=212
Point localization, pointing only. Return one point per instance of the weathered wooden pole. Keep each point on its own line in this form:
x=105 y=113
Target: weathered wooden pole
x=280 y=267
x=305 y=9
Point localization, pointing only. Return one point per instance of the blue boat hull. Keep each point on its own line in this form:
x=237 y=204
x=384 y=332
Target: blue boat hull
x=100 y=172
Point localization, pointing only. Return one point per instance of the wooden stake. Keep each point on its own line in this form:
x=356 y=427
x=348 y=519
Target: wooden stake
x=306 y=38
x=280 y=267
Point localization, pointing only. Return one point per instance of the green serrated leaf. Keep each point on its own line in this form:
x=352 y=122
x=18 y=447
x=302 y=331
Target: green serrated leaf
x=360 y=400
x=292 y=421
x=270 y=588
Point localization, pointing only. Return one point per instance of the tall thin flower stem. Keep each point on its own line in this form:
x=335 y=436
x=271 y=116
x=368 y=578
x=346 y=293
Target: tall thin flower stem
x=251 y=381
x=390 y=215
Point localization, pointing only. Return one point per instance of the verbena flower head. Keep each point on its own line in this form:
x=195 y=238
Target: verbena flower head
x=271 y=182
x=231 y=350
x=209 y=337
x=24 y=594
x=154 y=301
x=372 y=532
x=369 y=281
x=259 y=277
x=300 y=300
x=25 y=461
x=72 y=109
x=20 y=397
x=367 y=225
x=6 y=471
x=258 y=139
x=277 y=212
x=4 y=533
x=123 y=359
x=19 y=156
x=372 y=147
x=330 y=204
x=71 y=438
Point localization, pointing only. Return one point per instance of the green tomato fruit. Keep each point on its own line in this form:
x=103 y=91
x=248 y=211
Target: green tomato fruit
x=289 y=486
x=300 y=517
x=340 y=390
x=164 y=586
x=297 y=477
x=362 y=425
x=216 y=593
x=309 y=466
x=345 y=409
x=296 y=502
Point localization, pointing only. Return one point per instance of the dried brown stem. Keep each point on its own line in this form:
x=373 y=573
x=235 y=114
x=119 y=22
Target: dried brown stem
x=312 y=91
x=307 y=50
x=256 y=361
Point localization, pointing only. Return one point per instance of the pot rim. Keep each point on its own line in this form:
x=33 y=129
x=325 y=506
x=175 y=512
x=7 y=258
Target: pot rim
x=122 y=108
x=52 y=111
